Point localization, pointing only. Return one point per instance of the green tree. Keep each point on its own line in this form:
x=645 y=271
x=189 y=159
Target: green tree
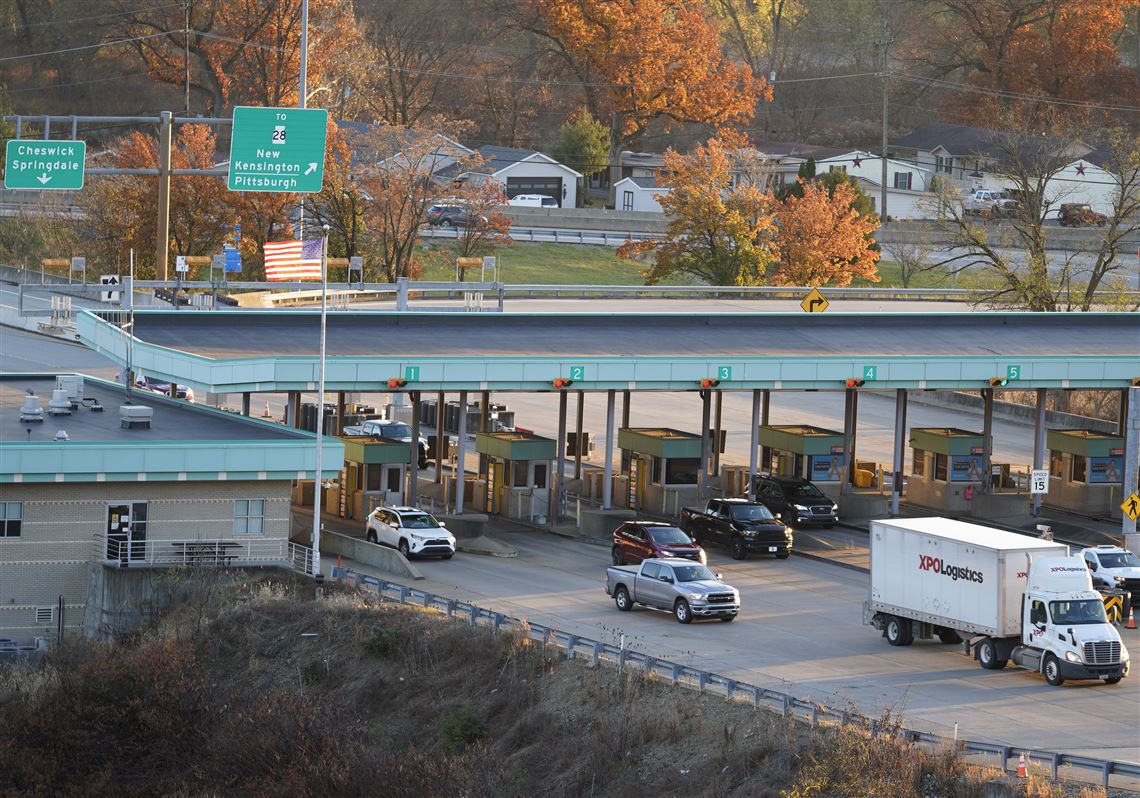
x=583 y=144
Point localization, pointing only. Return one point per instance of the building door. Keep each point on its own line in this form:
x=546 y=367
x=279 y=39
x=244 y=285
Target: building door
x=126 y=532
x=549 y=186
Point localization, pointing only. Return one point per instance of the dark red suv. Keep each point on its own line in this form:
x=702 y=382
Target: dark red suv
x=635 y=541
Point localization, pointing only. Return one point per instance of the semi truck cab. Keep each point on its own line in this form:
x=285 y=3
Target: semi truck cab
x=1064 y=632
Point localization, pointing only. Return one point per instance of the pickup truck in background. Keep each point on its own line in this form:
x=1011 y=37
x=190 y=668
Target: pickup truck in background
x=741 y=525
x=686 y=589
x=382 y=429
x=983 y=201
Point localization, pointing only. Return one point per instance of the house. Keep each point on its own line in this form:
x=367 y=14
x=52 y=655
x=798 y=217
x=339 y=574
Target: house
x=523 y=172
x=102 y=492
x=442 y=150
x=630 y=164
x=908 y=189
x=638 y=194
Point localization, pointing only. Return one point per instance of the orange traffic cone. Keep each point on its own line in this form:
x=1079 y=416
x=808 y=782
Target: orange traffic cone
x=266 y=413
x=1022 y=767
x=1131 y=620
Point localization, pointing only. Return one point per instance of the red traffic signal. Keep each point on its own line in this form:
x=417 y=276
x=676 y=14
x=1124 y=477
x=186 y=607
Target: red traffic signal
x=709 y=382
x=396 y=382
x=853 y=382
x=561 y=382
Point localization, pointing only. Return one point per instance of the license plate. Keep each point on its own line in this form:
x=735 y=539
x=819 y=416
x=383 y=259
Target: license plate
x=771 y=548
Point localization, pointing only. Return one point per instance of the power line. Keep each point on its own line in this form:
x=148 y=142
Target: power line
x=963 y=87
x=84 y=47
x=73 y=20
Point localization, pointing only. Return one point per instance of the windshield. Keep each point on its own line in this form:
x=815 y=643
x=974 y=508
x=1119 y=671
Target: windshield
x=751 y=512
x=805 y=490
x=419 y=521
x=692 y=573
x=668 y=536
x=396 y=431
x=1077 y=612
x=1119 y=559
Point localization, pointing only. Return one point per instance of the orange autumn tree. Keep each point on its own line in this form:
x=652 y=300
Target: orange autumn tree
x=823 y=239
x=648 y=59
x=721 y=230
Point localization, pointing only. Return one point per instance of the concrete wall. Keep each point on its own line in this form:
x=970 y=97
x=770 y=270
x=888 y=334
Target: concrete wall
x=360 y=550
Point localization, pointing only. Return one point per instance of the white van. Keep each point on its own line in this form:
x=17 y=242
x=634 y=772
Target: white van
x=533 y=201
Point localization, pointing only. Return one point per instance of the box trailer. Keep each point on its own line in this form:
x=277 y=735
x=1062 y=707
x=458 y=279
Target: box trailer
x=1009 y=596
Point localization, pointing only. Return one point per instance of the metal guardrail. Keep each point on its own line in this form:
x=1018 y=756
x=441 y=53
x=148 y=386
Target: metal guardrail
x=705 y=681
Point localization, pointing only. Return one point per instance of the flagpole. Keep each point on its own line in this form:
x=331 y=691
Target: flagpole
x=320 y=406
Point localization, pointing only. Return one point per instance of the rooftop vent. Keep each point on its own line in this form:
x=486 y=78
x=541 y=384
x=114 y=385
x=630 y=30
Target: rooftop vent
x=59 y=405
x=31 y=410
x=73 y=384
x=62 y=435
x=135 y=416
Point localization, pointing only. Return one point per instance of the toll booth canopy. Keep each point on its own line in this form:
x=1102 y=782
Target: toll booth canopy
x=517 y=481
x=949 y=466
x=1086 y=471
x=374 y=474
x=663 y=467
x=799 y=450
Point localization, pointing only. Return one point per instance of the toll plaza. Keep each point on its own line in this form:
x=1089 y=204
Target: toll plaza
x=948 y=468
x=516 y=482
x=663 y=469
x=374 y=473
x=1086 y=471
x=800 y=450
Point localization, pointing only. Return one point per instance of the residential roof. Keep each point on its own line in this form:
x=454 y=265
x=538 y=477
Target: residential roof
x=788 y=149
x=497 y=159
x=643 y=182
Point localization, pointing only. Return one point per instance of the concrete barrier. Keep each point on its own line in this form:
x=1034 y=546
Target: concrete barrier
x=600 y=524
x=360 y=550
x=468 y=525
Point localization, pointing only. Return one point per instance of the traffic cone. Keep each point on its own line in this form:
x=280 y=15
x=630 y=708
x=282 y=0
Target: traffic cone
x=1131 y=620
x=1022 y=767
x=266 y=413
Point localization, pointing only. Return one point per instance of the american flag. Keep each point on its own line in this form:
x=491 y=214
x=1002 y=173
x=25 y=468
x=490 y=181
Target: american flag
x=293 y=260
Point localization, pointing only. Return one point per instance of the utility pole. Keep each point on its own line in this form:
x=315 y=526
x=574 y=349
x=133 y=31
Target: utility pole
x=162 y=245
x=186 y=53
x=885 y=73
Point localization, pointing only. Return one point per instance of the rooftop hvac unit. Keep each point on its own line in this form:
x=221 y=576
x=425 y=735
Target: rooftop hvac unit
x=59 y=405
x=73 y=384
x=31 y=410
x=135 y=416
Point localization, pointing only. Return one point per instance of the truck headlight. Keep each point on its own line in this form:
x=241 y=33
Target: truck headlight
x=1072 y=656
x=800 y=507
x=696 y=596
x=1123 y=654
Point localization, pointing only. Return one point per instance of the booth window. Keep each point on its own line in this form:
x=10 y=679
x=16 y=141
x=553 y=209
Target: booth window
x=1080 y=468
x=518 y=474
x=394 y=480
x=10 y=519
x=658 y=471
x=249 y=516
x=681 y=470
x=540 y=475
x=1055 y=464
x=941 y=467
x=375 y=473
x=918 y=467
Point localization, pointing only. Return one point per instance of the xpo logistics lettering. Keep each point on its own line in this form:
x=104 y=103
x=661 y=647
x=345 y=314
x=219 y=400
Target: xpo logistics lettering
x=50 y=152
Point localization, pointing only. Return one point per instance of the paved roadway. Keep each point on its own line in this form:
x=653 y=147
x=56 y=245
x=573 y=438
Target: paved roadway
x=801 y=631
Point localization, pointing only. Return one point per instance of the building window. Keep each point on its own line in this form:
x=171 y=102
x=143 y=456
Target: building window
x=902 y=180
x=941 y=466
x=943 y=164
x=10 y=519
x=1079 y=469
x=627 y=200
x=918 y=467
x=837 y=167
x=518 y=474
x=249 y=516
x=1055 y=464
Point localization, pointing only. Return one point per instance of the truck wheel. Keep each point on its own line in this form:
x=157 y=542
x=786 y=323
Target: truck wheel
x=682 y=612
x=615 y=555
x=949 y=637
x=987 y=656
x=898 y=631
x=1051 y=670
x=621 y=599
x=739 y=550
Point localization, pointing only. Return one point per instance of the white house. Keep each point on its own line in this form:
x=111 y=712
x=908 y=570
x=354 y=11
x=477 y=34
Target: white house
x=1083 y=181
x=907 y=192
x=638 y=194
x=526 y=172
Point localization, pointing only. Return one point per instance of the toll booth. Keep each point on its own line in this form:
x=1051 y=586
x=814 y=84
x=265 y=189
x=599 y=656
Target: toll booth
x=663 y=467
x=1086 y=471
x=799 y=450
x=948 y=469
x=516 y=483
x=374 y=474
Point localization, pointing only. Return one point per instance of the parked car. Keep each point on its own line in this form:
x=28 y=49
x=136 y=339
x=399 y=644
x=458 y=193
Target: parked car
x=410 y=530
x=796 y=501
x=1077 y=215
x=741 y=525
x=686 y=589
x=452 y=216
x=382 y=429
x=152 y=385
x=635 y=541
x=533 y=201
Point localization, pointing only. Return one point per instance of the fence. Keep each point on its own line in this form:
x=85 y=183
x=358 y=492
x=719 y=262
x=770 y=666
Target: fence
x=167 y=552
x=705 y=681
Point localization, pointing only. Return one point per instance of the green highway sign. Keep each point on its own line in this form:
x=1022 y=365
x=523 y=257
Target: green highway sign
x=1013 y=373
x=870 y=372
x=577 y=373
x=278 y=149
x=724 y=373
x=412 y=373
x=44 y=164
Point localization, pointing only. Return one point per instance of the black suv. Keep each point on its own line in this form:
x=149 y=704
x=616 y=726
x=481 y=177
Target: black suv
x=452 y=216
x=796 y=501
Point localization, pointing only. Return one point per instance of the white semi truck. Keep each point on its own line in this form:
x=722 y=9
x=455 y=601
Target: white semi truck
x=1009 y=596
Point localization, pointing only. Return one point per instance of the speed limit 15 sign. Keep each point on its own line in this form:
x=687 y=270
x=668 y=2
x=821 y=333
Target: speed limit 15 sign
x=1039 y=481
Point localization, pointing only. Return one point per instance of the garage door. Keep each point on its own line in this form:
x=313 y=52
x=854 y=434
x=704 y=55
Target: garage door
x=550 y=186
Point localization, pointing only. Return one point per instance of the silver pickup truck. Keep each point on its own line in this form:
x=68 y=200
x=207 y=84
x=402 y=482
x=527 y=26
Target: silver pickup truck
x=684 y=588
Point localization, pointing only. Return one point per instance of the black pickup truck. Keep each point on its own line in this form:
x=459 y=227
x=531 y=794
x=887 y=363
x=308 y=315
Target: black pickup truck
x=741 y=525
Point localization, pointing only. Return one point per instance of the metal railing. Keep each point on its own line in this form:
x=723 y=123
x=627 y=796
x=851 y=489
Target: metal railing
x=300 y=558
x=706 y=681
x=164 y=552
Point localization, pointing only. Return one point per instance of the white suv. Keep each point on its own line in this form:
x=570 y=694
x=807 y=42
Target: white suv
x=412 y=531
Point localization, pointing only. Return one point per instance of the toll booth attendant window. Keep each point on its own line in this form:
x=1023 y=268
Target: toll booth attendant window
x=393 y=480
x=374 y=477
x=941 y=462
x=1055 y=464
x=540 y=475
x=658 y=471
x=918 y=467
x=1080 y=468
x=518 y=474
x=681 y=470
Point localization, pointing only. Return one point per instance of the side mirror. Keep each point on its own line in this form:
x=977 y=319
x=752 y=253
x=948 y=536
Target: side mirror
x=719 y=576
x=442 y=525
x=780 y=516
